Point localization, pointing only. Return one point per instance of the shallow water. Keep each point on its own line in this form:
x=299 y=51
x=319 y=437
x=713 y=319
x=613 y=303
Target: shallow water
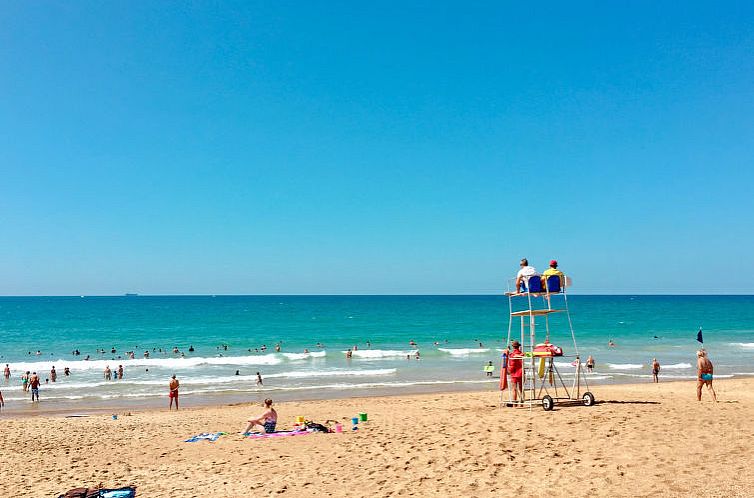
x=448 y=331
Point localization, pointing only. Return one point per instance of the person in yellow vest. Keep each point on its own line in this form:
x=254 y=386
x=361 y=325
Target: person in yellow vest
x=553 y=270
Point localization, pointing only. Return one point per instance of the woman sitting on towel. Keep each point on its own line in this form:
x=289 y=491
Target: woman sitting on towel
x=268 y=420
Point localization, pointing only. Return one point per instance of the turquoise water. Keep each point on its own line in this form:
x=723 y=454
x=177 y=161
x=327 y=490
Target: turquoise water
x=447 y=329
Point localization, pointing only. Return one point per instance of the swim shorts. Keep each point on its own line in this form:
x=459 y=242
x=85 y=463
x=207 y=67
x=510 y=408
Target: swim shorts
x=173 y=394
x=706 y=377
x=270 y=426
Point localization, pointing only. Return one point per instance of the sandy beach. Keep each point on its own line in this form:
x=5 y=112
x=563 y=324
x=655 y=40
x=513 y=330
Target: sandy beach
x=639 y=440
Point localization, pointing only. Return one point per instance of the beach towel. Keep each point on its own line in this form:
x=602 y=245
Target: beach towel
x=261 y=435
x=205 y=436
x=127 y=492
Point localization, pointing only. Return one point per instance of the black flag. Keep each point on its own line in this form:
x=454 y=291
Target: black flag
x=699 y=336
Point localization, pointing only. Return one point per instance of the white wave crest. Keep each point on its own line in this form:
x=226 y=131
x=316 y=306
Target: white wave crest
x=334 y=373
x=743 y=345
x=675 y=366
x=304 y=356
x=375 y=354
x=169 y=363
x=624 y=366
x=463 y=351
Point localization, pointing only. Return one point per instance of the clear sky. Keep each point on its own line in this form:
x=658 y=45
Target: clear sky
x=386 y=147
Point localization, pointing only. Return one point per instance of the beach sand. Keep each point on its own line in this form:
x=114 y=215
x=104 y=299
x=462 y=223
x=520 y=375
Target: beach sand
x=639 y=440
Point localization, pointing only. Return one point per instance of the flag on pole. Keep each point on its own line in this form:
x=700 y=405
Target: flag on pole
x=699 y=336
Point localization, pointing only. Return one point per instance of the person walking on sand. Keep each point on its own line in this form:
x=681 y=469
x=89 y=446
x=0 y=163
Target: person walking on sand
x=704 y=375
x=173 y=394
x=655 y=370
x=267 y=420
x=2 y=401
x=34 y=383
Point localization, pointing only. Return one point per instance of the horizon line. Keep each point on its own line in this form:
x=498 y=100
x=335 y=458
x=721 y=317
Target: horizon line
x=502 y=294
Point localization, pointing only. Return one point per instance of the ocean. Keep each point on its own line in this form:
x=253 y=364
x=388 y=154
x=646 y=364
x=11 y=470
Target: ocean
x=454 y=335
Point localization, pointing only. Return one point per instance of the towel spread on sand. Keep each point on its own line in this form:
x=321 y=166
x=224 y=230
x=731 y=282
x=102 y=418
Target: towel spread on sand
x=208 y=436
x=263 y=435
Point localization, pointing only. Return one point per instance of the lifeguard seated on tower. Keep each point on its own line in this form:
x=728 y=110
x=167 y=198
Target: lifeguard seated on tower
x=526 y=275
x=553 y=278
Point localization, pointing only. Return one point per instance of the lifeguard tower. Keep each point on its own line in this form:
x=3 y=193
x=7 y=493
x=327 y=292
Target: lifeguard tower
x=530 y=309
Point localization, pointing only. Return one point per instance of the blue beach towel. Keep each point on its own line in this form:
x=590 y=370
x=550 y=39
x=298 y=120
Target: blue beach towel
x=208 y=436
x=118 y=493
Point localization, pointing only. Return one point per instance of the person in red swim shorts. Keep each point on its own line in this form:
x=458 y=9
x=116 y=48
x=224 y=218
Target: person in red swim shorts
x=173 y=395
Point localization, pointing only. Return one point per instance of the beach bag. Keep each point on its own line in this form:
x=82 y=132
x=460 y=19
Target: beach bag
x=316 y=427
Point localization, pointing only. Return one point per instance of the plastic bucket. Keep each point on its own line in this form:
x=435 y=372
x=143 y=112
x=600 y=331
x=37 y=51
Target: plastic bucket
x=355 y=420
x=362 y=417
x=115 y=417
x=299 y=419
x=339 y=428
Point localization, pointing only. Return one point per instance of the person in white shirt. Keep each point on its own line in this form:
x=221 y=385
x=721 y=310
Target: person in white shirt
x=524 y=274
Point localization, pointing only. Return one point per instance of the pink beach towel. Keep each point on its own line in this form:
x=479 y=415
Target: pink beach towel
x=278 y=434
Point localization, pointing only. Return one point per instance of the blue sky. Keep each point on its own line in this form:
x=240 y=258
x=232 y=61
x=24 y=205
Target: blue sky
x=287 y=147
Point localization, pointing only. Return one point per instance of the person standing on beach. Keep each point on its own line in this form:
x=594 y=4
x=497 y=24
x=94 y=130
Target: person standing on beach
x=25 y=381
x=655 y=370
x=173 y=395
x=590 y=363
x=516 y=370
x=120 y=372
x=2 y=401
x=108 y=373
x=34 y=383
x=6 y=372
x=704 y=375
x=259 y=379
x=53 y=374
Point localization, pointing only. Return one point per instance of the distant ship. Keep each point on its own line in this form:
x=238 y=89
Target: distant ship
x=131 y=294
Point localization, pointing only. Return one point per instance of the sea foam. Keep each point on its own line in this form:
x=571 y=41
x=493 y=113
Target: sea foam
x=624 y=366
x=463 y=351
x=376 y=354
x=168 y=363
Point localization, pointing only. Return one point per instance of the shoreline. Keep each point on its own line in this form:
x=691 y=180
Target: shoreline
x=220 y=399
